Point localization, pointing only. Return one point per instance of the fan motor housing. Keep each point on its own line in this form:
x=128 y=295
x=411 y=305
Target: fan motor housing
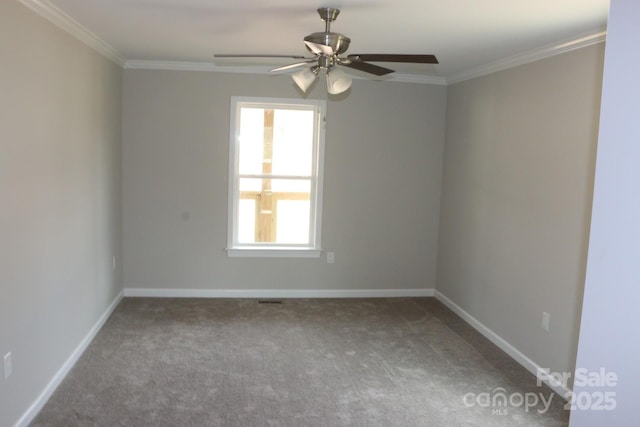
x=338 y=42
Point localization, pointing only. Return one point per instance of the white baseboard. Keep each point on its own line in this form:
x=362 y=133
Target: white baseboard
x=36 y=406
x=504 y=345
x=277 y=293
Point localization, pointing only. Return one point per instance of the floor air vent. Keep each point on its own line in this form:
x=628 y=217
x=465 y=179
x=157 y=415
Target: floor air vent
x=270 y=301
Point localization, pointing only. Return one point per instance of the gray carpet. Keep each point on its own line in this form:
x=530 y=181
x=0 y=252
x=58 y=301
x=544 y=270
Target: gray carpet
x=349 y=362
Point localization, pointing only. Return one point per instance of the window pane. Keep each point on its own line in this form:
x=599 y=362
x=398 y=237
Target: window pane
x=251 y=140
x=293 y=221
x=293 y=142
x=262 y=220
x=291 y=185
x=247 y=221
x=250 y=184
x=278 y=185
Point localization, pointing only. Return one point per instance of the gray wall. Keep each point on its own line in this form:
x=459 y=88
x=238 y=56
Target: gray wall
x=517 y=188
x=610 y=315
x=383 y=163
x=518 y=169
x=60 y=109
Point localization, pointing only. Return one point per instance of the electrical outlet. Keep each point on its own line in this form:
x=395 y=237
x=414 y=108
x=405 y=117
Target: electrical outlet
x=113 y=263
x=8 y=369
x=331 y=257
x=546 y=318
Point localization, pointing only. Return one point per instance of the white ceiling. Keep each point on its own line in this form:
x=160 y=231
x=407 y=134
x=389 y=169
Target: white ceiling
x=463 y=34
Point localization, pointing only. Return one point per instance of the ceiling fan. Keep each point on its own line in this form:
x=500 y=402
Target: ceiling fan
x=327 y=48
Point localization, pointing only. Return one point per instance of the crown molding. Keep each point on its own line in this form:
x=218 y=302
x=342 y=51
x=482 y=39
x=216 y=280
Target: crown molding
x=527 y=57
x=135 y=64
x=140 y=64
x=53 y=14
x=414 y=78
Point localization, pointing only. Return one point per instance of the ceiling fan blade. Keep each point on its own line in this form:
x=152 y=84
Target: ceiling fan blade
x=319 y=49
x=380 y=57
x=257 y=55
x=294 y=65
x=367 y=68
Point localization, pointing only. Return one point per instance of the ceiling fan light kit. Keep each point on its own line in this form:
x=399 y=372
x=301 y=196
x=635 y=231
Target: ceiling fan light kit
x=337 y=81
x=327 y=48
x=304 y=78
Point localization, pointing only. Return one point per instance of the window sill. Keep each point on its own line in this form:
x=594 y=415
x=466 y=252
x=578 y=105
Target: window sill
x=249 y=252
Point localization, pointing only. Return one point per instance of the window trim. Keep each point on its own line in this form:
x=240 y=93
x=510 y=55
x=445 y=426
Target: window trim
x=271 y=250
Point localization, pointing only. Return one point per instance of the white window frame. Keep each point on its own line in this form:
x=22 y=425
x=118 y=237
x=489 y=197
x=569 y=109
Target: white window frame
x=267 y=249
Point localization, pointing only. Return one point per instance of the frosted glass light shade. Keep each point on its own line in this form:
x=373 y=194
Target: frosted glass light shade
x=304 y=78
x=337 y=81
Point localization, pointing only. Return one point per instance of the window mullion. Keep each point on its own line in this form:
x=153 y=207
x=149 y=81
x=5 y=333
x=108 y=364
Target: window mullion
x=272 y=176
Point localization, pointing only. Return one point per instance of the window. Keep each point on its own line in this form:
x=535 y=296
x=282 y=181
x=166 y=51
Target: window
x=275 y=182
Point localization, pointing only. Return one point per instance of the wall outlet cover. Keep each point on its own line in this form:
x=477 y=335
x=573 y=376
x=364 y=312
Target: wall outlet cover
x=546 y=318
